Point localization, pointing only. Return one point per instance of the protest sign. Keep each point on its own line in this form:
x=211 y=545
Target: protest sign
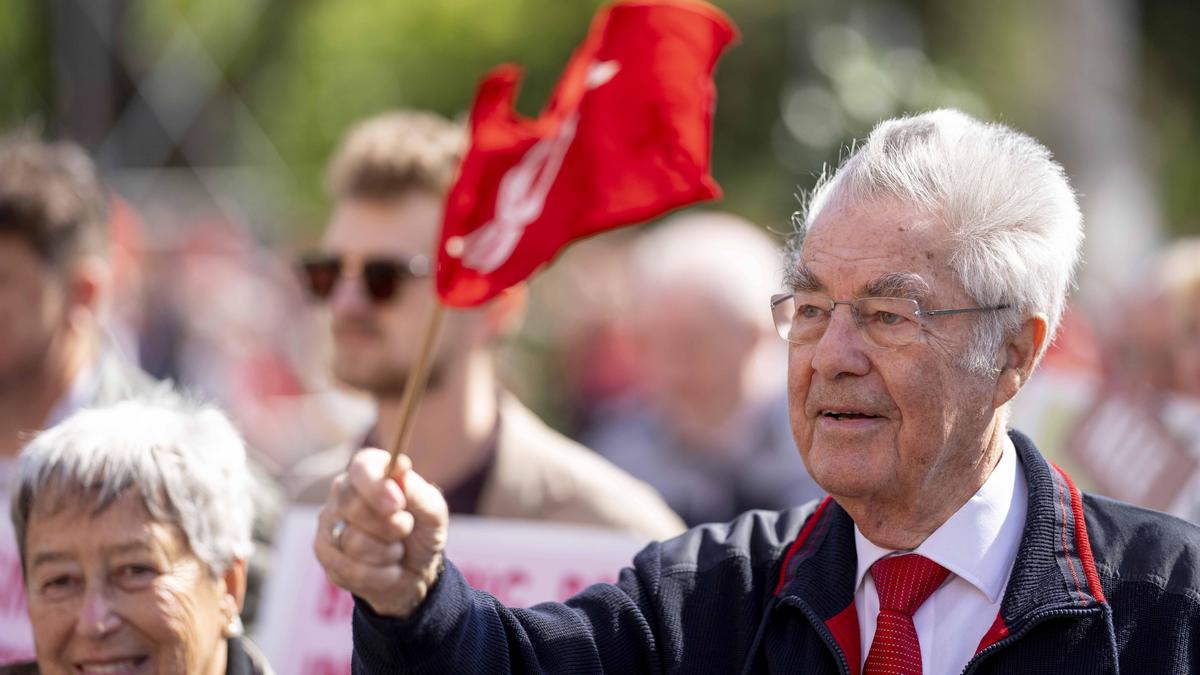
x=304 y=624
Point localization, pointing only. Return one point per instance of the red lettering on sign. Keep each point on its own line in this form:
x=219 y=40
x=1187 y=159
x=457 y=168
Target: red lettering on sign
x=573 y=582
x=325 y=665
x=334 y=604
x=502 y=583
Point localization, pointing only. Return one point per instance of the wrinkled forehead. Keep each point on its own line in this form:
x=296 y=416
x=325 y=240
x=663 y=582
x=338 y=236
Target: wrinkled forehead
x=880 y=248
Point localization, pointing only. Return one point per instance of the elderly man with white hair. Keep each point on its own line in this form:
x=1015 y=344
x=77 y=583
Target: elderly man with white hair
x=926 y=280
x=134 y=526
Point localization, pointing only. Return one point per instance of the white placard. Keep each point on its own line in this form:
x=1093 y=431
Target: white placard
x=304 y=621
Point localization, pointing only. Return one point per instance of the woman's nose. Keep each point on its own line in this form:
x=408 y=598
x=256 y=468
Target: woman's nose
x=96 y=615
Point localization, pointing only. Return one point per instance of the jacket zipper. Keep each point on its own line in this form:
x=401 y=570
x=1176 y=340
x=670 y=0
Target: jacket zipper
x=823 y=631
x=1029 y=625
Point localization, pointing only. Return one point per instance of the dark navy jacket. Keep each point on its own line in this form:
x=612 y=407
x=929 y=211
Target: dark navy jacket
x=1097 y=587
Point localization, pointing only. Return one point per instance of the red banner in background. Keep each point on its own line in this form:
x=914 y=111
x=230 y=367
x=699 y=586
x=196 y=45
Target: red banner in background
x=625 y=137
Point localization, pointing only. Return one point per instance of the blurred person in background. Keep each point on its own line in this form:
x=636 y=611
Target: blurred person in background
x=55 y=287
x=1138 y=438
x=489 y=454
x=1179 y=279
x=707 y=424
x=55 y=282
x=134 y=526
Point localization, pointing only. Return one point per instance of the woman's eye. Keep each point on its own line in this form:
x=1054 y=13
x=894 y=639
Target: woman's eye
x=136 y=576
x=60 y=586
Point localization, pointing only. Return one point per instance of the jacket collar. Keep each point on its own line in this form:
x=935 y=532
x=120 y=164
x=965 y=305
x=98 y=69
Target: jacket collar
x=1054 y=568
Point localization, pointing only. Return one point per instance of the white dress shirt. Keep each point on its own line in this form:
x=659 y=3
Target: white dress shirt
x=978 y=544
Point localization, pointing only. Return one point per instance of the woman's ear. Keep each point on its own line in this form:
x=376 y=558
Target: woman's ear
x=234 y=587
x=1022 y=351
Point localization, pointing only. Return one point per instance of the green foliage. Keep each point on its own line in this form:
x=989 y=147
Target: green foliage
x=805 y=79
x=24 y=64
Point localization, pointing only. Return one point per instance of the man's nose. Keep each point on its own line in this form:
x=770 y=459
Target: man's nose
x=842 y=349
x=348 y=294
x=97 y=617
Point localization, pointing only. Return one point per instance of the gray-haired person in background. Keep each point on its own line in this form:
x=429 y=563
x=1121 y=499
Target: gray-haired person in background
x=134 y=527
x=708 y=424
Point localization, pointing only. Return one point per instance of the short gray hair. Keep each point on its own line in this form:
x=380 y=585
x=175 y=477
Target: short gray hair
x=183 y=458
x=732 y=261
x=1009 y=207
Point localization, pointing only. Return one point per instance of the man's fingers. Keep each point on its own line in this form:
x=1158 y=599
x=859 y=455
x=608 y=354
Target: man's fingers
x=379 y=541
x=365 y=548
x=357 y=512
x=360 y=578
x=366 y=474
x=425 y=501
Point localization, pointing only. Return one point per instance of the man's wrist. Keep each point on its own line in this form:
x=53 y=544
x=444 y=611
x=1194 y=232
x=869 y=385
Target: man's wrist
x=404 y=606
x=430 y=576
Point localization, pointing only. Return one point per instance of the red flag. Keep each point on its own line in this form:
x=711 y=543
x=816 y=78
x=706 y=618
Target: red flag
x=625 y=137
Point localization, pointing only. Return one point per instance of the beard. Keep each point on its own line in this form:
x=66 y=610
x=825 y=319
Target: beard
x=388 y=382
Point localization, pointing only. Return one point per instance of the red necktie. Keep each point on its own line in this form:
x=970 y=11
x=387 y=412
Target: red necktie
x=904 y=582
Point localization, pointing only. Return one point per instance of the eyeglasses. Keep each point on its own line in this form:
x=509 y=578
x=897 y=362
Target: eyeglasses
x=802 y=318
x=381 y=277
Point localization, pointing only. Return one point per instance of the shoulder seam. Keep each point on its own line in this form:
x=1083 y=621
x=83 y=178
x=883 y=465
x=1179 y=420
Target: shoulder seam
x=1153 y=579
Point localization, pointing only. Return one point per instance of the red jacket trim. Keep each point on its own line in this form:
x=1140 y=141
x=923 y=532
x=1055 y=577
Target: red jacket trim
x=1082 y=544
x=844 y=626
x=804 y=532
x=996 y=633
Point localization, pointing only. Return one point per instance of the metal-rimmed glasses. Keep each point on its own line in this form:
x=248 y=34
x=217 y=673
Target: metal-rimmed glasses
x=381 y=276
x=803 y=317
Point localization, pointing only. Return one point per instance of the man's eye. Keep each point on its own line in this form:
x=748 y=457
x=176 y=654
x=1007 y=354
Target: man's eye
x=887 y=318
x=809 y=312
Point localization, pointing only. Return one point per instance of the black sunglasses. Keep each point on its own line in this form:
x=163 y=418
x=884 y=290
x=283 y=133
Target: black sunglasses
x=381 y=276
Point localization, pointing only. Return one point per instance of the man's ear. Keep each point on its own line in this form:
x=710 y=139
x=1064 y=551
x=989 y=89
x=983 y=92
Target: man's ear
x=87 y=288
x=1022 y=351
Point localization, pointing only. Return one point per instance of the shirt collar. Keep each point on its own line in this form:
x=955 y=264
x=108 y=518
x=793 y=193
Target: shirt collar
x=979 y=542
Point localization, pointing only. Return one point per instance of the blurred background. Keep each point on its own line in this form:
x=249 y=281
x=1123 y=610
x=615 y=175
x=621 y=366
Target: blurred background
x=213 y=120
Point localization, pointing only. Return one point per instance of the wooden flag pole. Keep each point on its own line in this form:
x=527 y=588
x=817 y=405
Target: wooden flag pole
x=414 y=388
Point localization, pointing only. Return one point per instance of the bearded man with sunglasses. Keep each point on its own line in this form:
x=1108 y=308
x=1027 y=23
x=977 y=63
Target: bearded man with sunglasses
x=926 y=280
x=489 y=454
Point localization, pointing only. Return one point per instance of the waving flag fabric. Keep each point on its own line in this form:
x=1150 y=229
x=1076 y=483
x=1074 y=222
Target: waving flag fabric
x=625 y=137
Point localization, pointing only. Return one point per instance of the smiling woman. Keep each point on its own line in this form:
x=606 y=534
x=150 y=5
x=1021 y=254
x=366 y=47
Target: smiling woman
x=134 y=527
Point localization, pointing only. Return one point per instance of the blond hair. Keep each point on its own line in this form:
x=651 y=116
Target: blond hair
x=395 y=153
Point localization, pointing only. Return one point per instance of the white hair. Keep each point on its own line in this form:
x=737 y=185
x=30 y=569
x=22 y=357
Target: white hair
x=1009 y=207
x=727 y=259
x=184 y=459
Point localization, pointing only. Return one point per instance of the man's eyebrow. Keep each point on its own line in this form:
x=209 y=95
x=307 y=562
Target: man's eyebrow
x=897 y=285
x=800 y=278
